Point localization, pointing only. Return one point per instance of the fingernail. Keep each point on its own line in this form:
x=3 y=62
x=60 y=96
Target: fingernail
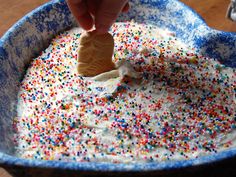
x=101 y=29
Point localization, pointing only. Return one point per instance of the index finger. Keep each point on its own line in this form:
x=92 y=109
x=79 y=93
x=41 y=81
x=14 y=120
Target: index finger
x=80 y=11
x=107 y=14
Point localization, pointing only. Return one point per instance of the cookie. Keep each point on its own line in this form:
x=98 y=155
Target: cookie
x=95 y=54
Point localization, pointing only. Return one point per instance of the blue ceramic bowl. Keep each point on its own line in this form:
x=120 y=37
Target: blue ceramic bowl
x=33 y=33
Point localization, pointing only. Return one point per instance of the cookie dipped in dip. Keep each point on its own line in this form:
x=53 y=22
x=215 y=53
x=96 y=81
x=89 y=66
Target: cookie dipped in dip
x=180 y=105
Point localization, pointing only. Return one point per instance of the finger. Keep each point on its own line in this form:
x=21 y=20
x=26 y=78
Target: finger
x=126 y=7
x=93 y=6
x=107 y=14
x=80 y=11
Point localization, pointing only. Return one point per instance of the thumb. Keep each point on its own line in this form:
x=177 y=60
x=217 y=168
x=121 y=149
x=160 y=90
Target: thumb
x=107 y=14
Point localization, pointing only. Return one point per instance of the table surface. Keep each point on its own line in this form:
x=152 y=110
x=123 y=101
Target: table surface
x=212 y=11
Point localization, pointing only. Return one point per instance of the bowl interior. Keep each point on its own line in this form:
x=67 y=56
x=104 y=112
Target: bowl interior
x=33 y=33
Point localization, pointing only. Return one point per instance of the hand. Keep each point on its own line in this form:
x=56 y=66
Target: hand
x=99 y=13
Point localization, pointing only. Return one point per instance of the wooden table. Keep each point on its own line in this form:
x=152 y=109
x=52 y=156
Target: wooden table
x=213 y=11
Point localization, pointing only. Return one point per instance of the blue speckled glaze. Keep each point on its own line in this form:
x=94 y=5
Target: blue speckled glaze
x=32 y=34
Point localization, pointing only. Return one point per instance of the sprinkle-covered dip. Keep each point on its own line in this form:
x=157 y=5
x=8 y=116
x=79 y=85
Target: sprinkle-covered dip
x=182 y=107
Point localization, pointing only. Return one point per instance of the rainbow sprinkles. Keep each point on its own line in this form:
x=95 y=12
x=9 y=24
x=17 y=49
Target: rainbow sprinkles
x=182 y=107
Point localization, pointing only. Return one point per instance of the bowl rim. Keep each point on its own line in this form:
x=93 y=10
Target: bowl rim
x=118 y=167
x=6 y=159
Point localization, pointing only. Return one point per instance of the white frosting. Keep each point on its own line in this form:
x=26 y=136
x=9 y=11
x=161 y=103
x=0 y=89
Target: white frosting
x=162 y=115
